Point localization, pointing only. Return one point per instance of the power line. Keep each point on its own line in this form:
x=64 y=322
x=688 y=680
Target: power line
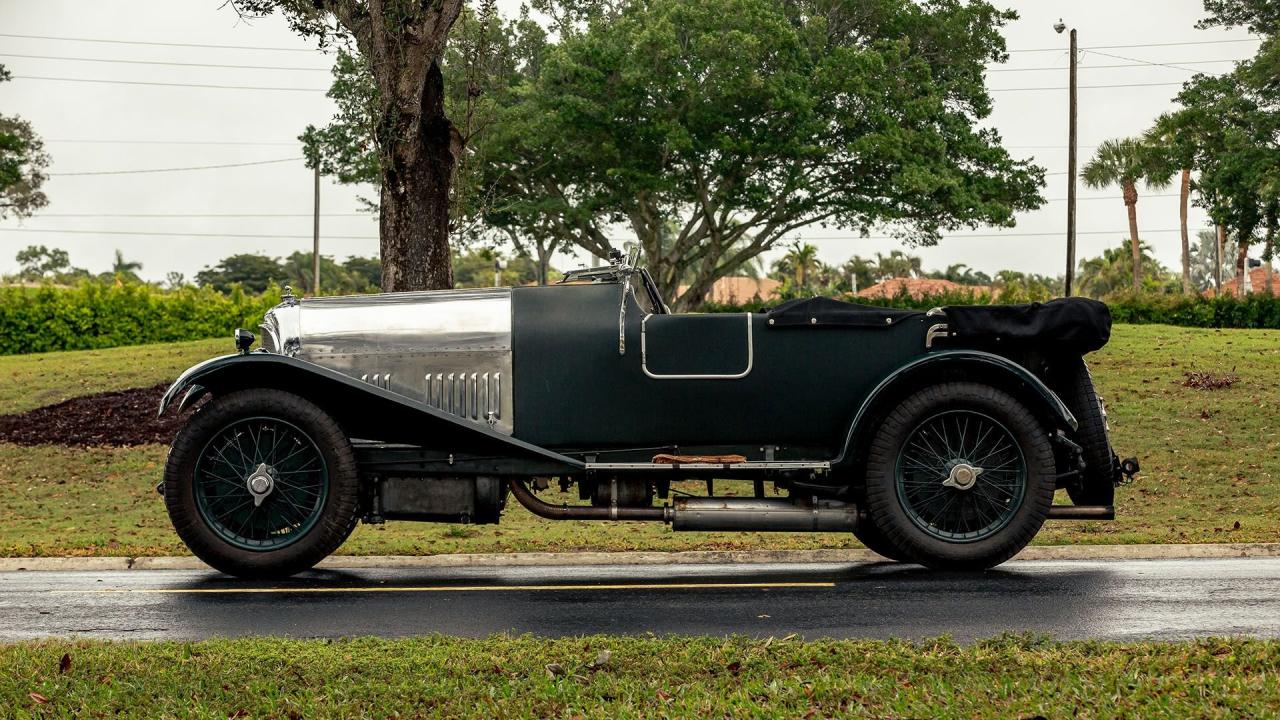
x=177 y=169
x=1107 y=198
x=1087 y=87
x=208 y=215
x=297 y=49
x=1056 y=233
x=168 y=84
x=187 y=234
x=294 y=143
x=1136 y=63
x=299 y=89
x=177 y=142
x=1138 y=45
x=148 y=233
x=1149 y=62
x=164 y=62
x=161 y=44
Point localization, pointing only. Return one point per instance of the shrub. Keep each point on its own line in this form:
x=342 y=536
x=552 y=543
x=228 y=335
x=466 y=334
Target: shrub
x=96 y=315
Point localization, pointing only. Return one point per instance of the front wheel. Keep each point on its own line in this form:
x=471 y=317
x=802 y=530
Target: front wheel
x=262 y=483
x=960 y=476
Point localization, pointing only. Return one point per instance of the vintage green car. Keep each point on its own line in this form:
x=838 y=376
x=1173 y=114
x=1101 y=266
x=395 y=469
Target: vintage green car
x=935 y=437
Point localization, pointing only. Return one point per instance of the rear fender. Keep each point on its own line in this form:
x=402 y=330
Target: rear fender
x=958 y=364
x=364 y=411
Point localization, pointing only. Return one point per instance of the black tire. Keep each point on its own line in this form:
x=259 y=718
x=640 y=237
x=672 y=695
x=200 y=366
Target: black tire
x=1028 y=478
x=1096 y=483
x=328 y=521
x=870 y=535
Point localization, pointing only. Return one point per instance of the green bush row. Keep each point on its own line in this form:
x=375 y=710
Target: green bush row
x=96 y=315
x=1256 y=310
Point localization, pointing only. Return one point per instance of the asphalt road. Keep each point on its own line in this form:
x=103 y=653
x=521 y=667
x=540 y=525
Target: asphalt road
x=1163 y=599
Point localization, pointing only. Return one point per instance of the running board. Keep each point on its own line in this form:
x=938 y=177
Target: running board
x=1082 y=512
x=766 y=465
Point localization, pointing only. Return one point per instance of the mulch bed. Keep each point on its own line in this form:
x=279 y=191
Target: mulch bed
x=119 y=418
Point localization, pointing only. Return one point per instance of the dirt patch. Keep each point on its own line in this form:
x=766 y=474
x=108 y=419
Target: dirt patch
x=119 y=418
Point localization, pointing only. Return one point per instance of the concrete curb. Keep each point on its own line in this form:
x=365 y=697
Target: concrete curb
x=698 y=557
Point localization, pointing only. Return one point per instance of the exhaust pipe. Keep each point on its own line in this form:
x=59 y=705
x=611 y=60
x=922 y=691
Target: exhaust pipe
x=719 y=513
x=698 y=513
x=1082 y=512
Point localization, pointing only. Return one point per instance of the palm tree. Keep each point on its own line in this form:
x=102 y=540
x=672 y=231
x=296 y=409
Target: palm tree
x=123 y=268
x=1173 y=154
x=1111 y=271
x=1125 y=163
x=802 y=259
x=963 y=274
x=897 y=264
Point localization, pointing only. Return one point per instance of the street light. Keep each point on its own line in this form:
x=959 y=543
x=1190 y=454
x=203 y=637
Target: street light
x=1059 y=27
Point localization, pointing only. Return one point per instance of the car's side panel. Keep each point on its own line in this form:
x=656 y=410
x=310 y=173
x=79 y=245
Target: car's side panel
x=575 y=390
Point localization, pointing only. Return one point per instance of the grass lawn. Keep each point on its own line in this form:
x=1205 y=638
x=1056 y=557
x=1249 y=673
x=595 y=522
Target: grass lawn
x=1209 y=462
x=31 y=381
x=504 y=677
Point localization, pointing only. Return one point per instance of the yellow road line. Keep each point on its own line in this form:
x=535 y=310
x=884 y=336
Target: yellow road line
x=444 y=588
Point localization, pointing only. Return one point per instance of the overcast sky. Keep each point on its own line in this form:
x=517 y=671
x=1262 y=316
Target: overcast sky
x=186 y=220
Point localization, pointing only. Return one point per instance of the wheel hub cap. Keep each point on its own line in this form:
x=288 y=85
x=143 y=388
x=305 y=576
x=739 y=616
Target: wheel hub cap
x=962 y=476
x=260 y=483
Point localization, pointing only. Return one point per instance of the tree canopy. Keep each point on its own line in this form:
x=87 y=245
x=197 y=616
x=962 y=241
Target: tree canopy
x=1227 y=128
x=745 y=120
x=22 y=165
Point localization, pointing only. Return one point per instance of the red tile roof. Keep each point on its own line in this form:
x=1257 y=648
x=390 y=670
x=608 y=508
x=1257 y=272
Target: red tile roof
x=735 y=290
x=919 y=288
x=1257 y=278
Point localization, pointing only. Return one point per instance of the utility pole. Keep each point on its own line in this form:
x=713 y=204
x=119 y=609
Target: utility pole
x=315 y=228
x=1071 y=162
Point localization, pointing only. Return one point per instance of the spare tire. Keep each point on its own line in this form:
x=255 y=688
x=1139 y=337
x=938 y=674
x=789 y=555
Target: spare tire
x=1095 y=485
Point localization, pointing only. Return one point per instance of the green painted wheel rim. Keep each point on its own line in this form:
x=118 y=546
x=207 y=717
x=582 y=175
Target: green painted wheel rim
x=936 y=450
x=299 y=487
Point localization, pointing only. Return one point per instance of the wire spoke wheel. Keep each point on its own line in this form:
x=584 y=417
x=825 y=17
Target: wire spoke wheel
x=261 y=483
x=961 y=476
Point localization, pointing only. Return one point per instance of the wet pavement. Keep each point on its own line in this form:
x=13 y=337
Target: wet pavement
x=1161 y=599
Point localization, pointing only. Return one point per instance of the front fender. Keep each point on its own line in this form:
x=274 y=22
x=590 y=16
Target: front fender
x=364 y=411
x=986 y=365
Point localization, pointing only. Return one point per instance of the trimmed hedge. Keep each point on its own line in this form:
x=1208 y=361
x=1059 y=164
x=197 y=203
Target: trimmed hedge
x=97 y=315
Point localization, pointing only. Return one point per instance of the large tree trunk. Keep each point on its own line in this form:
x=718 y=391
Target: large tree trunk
x=1131 y=204
x=1186 y=239
x=417 y=168
x=544 y=262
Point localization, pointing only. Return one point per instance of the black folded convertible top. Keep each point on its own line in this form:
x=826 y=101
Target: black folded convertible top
x=1076 y=324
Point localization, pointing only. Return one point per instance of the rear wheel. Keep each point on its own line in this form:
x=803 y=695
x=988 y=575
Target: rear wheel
x=960 y=476
x=870 y=535
x=262 y=483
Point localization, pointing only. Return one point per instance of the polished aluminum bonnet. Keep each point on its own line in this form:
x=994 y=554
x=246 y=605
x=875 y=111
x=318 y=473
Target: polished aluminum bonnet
x=448 y=348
